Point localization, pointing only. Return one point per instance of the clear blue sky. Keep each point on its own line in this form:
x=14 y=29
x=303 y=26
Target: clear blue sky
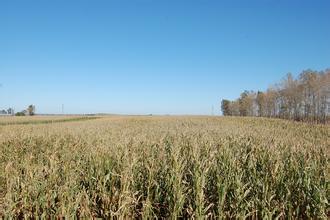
x=153 y=56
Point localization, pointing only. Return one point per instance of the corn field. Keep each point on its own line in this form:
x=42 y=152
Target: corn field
x=165 y=168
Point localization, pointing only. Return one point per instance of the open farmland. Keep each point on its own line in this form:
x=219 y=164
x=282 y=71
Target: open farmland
x=5 y=120
x=165 y=167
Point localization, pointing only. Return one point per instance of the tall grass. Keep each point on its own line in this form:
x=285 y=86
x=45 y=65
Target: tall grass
x=165 y=167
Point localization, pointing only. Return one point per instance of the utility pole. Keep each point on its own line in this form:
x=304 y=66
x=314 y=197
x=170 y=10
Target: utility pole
x=62 y=109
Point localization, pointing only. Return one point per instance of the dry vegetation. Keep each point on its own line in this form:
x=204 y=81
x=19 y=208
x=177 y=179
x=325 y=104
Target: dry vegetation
x=165 y=167
x=20 y=120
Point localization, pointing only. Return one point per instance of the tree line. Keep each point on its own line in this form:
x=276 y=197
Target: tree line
x=31 y=109
x=305 y=98
x=9 y=111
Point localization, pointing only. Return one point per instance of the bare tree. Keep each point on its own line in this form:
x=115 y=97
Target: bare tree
x=31 y=110
x=225 y=107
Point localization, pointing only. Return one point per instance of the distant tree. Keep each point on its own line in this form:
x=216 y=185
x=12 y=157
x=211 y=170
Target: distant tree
x=234 y=108
x=10 y=111
x=324 y=96
x=242 y=104
x=20 y=114
x=31 y=110
x=246 y=101
x=261 y=103
x=309 y=81
x=271 y=103
x=225 y=107
x=3 y=112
